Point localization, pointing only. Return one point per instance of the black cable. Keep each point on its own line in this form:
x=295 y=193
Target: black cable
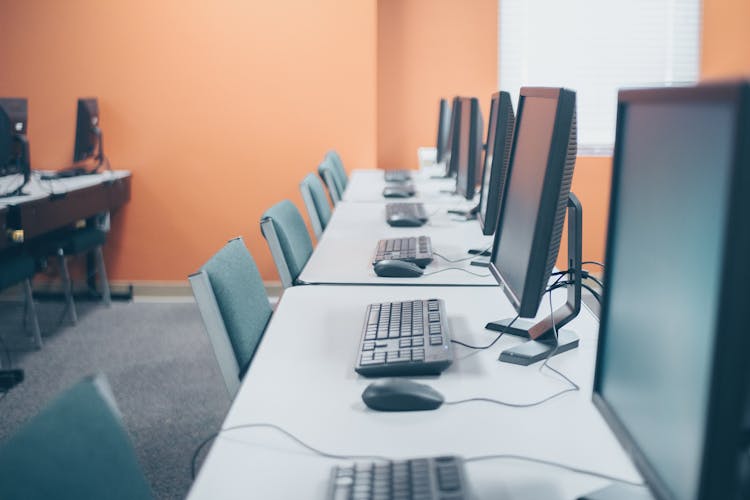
x=481 y=348
x=287 y=434
x=593 y=292
x=594 y=262
x=552 y=464
x=457 y=269
x=595 y=280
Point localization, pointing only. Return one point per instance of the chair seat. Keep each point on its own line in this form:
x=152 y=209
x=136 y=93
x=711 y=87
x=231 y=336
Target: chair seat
x=15 y=269
x=82 y=240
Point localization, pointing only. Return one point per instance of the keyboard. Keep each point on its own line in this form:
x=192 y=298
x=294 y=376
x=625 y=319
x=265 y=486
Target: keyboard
x=397 y=175
x=405 y=338
x=416 y=249
x=434 y=478
x=411 y=210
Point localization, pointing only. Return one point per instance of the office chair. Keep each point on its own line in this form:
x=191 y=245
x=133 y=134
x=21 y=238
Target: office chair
x=76 y=242
x=290 y=244
x=327 y=172
x=235 y=309
x=338 y=168
x=21 y=268
x=318 y=209
x=76 y=448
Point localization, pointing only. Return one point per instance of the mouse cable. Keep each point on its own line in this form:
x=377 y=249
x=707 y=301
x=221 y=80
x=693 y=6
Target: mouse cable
x=386 y=459
x=550 y=463
x=457 y=269
x=287 y=434
x=463 y=259
x=575 y=387
x=481 y=348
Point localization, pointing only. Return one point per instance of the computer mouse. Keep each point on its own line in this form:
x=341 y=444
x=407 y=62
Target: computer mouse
x=397 y=394
x=397 y=269
x=391 y=192
x=401 y=220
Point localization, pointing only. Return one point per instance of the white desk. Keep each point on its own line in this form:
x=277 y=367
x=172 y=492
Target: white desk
x=302 y=379
x=344 y=253
x=367 y=186
x=37 y=189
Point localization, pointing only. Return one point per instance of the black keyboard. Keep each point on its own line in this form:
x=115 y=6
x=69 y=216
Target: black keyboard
x=412 y=210
x=405 y=338
x=416 y=249
x=438 y=478
x=397 y=175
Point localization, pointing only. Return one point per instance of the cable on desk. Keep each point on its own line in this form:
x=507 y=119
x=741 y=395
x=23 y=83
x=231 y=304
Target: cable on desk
x=510 y=405
x=456 y=269
x=287 y=434
x=464 y=259
x=552 y=464
x=481 y=348
x=576 y=387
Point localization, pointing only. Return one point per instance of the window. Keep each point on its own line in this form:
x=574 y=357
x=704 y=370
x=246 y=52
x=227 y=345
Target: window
x=596 y=47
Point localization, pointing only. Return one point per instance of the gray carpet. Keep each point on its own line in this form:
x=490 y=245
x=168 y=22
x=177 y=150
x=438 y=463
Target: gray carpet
x=158 y=361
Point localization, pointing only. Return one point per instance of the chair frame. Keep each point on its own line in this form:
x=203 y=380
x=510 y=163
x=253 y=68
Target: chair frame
x=312 y=210
x=282 y=265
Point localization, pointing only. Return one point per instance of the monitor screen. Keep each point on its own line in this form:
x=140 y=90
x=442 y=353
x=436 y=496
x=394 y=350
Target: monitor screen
x=664 y=266
x=469 y=146
x=529 y=227
x=88 y=134
x=443 y=129
x=451 y=156
x=496 y=159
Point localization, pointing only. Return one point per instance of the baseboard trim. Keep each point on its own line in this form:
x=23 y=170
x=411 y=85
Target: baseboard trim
x=141 y=289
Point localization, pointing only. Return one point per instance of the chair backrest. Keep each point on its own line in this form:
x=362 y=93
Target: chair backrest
x=318 y=209
x=76 y=447
x=234 y=306
x=284 y=229
x=338 y=168
x=327 y=172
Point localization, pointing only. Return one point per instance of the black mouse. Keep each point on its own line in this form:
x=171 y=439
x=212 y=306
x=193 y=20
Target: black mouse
x=397 y=269
x=397 y=192
x=397 y=394
x=398 y=220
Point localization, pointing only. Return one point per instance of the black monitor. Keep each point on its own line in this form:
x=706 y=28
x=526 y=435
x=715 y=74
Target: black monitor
x=471 y=130
x=496 y=160
x=443 y=129
x=451 y=155
x=14 y=144
x=88 y=143
x=673 y=365
x=529 y=227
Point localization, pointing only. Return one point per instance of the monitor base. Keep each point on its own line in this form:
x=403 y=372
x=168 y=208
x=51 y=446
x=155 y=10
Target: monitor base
x=533 y=351
x=619 y=492
x=520 y=327
x=481 y=262
x=482 y=252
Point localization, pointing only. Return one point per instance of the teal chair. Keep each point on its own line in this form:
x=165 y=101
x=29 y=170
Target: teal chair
x=316 y=203
x=290 y=244
x=235 y=309
x=338 y=168
x=76 y=448
x=20 y=268
x=332 y=180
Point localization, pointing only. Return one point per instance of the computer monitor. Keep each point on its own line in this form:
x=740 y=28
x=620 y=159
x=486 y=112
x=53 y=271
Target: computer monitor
x=443 y=129
x=496 y=160
x=673 y=364
x=89 y=142
x=529 y=227
x=451 y=156
x=471 y=130
x=14 y=144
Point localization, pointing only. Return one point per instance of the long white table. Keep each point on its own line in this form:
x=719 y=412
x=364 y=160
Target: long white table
x=344 y=253
x=302 y=379
x=367 y=186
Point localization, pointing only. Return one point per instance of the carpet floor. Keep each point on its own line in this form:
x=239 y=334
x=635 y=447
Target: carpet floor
x=157 y=359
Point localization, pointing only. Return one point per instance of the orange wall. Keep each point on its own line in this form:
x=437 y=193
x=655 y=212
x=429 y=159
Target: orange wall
x=726 y=39
x=219 y=108
x=428 y=49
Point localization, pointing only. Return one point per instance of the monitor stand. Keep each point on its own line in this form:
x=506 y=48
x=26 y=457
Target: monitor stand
x=542 y=332
x=619 y=492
